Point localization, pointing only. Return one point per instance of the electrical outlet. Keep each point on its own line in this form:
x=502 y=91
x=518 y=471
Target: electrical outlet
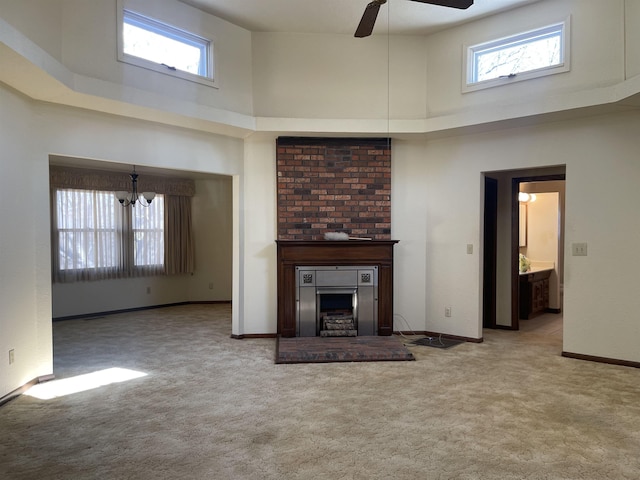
x=211 y=286
x=447 y=311
x=469 y=248
x=579 y=249
x=12 y=357
x=148 y=290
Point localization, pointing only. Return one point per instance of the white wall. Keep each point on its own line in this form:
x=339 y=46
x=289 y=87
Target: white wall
x=410 y=254
x=25 y=282
x=83 y=134
x=89 y=49
x=333 y=76
x=257 y=222
x=596 y=59
x=598 y=288
x=632 y=37
x=212 y=228
x=39 y=20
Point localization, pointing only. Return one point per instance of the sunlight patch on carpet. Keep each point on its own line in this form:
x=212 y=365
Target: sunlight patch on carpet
x=82 y=383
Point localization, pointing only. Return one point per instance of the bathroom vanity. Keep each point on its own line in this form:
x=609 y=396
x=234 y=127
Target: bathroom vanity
x=534 y=292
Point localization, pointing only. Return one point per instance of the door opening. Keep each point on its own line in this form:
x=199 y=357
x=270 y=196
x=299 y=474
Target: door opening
x=501 y=233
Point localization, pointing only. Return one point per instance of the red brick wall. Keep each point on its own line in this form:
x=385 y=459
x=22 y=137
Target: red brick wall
x=334 y=185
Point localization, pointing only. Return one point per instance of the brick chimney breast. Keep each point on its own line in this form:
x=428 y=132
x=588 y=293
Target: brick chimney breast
x=333 y=185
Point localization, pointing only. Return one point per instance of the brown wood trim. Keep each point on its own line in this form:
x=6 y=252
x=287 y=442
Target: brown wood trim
x=254 y=335
x=592 y=358
x=444 y=335
x=515 y=253
x=490 y=255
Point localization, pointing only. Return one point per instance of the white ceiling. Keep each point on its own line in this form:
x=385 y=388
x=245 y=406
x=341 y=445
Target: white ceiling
x=342 y=16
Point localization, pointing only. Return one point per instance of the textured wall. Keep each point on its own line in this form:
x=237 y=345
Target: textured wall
x=334 y=185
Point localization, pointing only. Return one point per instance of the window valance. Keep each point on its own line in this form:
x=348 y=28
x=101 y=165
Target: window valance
x=89 y=179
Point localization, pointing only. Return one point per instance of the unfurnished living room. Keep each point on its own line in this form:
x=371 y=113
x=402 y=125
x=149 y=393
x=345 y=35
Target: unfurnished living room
x=319 y=239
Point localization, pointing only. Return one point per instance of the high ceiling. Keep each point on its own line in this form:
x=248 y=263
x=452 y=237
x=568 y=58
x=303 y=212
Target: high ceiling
x=342 y=16
x=322 y=16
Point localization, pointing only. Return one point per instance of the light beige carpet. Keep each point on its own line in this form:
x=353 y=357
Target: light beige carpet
x=211 y=407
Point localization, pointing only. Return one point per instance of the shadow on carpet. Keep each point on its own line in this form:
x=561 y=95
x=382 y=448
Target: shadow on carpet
x=341 y=349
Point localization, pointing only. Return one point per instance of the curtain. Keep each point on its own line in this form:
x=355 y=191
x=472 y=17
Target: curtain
x=179 y=251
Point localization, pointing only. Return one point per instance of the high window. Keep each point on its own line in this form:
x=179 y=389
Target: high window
x=531 y=54
x=149 y=43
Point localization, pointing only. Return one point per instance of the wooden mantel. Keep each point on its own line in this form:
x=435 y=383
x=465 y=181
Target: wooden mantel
x=292 y=253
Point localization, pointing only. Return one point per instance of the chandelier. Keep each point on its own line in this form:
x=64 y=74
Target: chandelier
x=133 y=197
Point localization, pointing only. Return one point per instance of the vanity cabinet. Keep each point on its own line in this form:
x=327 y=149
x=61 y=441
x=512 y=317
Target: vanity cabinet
x=534 y=293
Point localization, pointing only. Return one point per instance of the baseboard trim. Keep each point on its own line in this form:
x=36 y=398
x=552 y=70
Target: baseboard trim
x=88 y=316
x=254 y=335
x=593 y=358
x=20 y=390
x=436 y=334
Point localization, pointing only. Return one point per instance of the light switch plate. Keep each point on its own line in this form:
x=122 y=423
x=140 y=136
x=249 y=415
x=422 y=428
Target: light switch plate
x=579 y=249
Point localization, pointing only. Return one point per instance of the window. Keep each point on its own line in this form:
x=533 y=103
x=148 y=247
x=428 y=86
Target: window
x=532 y=54
x=102 y=239
x=149 y=43
x=93 y=237
x=86 y=229
x=148 y=233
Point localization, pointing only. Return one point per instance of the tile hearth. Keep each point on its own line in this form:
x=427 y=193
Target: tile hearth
x=341 y=349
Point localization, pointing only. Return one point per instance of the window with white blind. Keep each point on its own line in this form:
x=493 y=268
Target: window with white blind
x=98 y=238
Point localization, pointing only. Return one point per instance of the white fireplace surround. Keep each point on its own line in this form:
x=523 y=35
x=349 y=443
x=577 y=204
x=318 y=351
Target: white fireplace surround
x=357 y=284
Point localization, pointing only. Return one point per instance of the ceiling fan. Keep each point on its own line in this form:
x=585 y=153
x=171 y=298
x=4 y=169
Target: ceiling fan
x=365 y=27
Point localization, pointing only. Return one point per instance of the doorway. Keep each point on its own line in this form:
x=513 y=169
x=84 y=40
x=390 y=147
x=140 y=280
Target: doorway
x=501 y=233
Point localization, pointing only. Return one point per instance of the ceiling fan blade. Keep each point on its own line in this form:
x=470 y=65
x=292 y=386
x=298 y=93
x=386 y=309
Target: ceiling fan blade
x=461 y=4
x=368 y=20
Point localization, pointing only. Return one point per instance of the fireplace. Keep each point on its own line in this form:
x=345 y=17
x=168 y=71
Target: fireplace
x=336 y=300
x=349 y=281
